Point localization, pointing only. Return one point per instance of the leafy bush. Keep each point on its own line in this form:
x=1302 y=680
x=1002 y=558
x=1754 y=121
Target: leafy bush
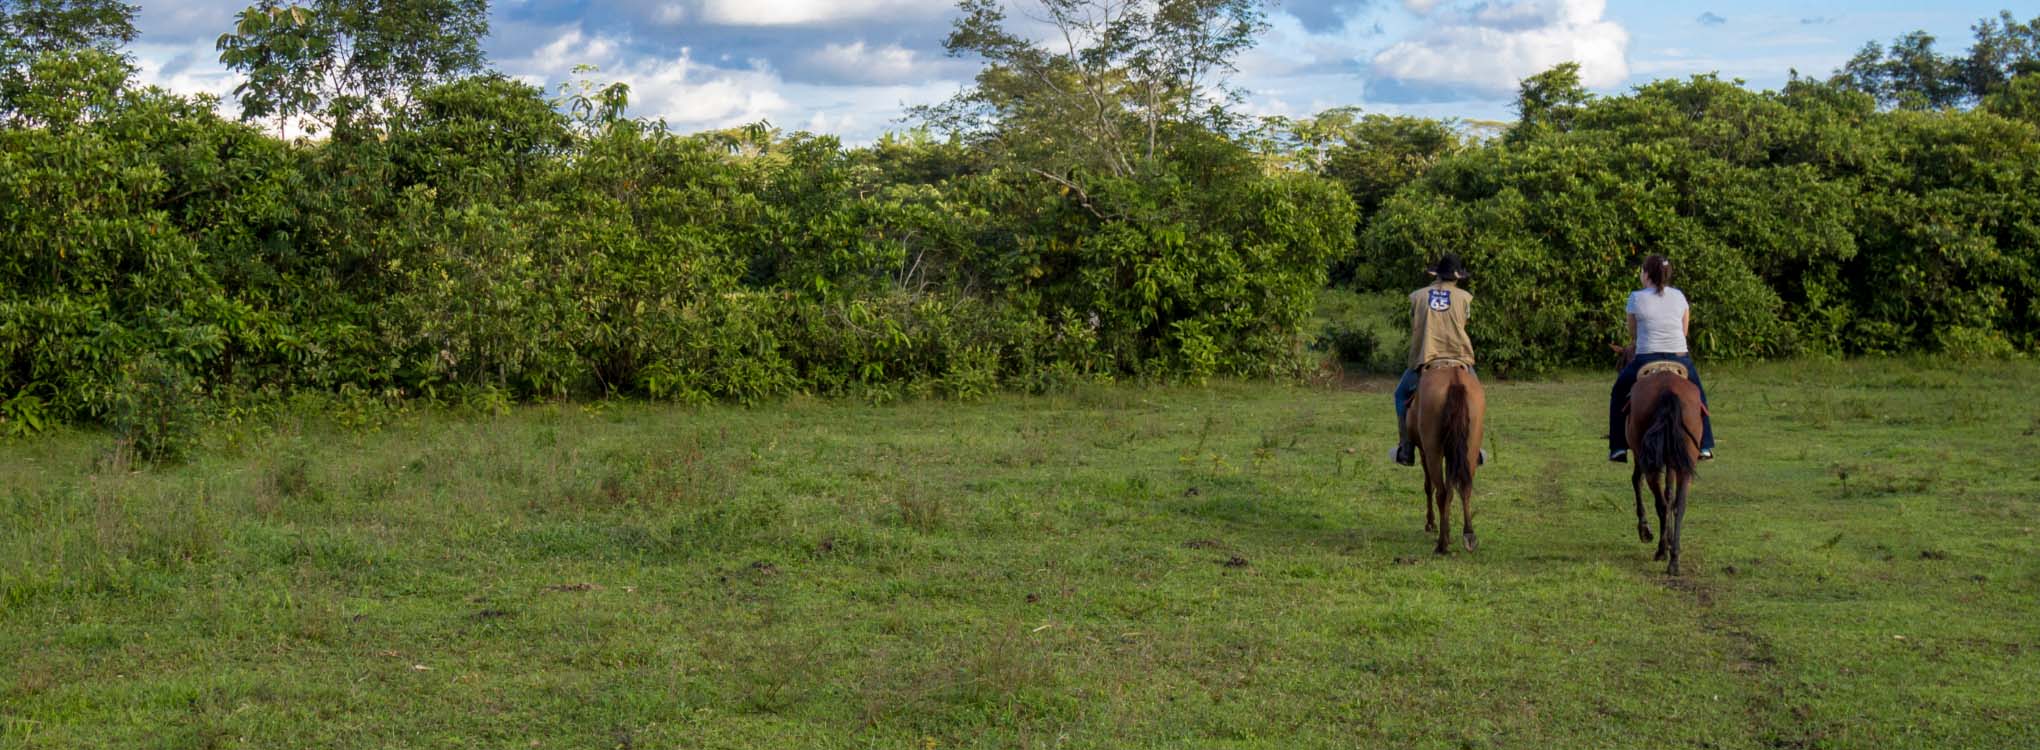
x=22 y=415
x=475 y=242
x=1352 y=344
x=1801 y=221
x=156 y=410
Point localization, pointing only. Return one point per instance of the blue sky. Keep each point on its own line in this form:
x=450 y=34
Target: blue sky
x=850 y=67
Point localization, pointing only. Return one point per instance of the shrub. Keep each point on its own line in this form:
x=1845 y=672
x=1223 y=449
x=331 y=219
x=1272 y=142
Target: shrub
x=156 y=410
x=1801 y=221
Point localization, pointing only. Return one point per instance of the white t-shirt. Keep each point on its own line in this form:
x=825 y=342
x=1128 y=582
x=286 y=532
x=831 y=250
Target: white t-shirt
x=1660 y=320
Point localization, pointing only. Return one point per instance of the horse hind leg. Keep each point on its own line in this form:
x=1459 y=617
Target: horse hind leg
x=1443 y=501
x=1430 y=505
x=1636 y=487
x=1466 y=517
x=1657 y=494
x=1678 y=522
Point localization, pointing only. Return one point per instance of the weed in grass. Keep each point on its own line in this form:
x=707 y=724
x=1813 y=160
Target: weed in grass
x=934 y=691
x=920 y=511
x=288 y=482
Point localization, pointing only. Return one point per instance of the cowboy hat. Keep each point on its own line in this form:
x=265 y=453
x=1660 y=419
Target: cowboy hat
x=1448 y=268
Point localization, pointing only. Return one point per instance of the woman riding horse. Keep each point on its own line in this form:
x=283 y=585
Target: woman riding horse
x=1658 y=320
x=1665 y=424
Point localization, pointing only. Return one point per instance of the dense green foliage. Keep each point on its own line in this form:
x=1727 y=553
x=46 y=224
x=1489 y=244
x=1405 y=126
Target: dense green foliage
x=479 y=241
x=336 y=60
x=456 y=234
x=1807 y=220
x=1911 y=74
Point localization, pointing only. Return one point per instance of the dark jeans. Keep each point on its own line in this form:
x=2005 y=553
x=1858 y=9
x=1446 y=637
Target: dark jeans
x=1618 y=428
x=1405 y=391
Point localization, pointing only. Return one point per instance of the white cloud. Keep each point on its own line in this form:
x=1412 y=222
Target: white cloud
x=1420 y=7
x=184 y=68
x=798 y=12
x=189 y=69
x=179 y=21
x=857 y=61
x=194 y=68
x=689 y=94
x=693 y=94
x=825 y=122
x=1494 y=46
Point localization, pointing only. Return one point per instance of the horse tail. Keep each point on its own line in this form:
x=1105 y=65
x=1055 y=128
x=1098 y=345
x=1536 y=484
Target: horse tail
x=1664 y=442
x=1458 y=422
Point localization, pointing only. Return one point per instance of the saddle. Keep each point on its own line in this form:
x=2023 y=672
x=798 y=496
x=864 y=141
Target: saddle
x=1445 y=363
x=1661 y=367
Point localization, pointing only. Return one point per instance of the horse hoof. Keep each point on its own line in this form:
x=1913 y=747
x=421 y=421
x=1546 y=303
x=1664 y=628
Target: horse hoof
x=1470 y=541
x=1672 y=570
x=1643 y=534
x=1442 y=550
x=1431 y=527
x=1660 y=556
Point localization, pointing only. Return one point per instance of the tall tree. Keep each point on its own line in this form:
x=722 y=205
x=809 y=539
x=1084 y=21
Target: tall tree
x=1911 y=74
x=1548 y=101
x=34 y=27
x=90 y=33
x=332 y=61
x=2004 y=49
x=1109 y=84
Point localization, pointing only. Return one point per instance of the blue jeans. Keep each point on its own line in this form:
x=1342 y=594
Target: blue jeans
x=1618 y=428
x=1406 y=391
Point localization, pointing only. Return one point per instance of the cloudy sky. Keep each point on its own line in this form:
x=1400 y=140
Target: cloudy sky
x=851 y=66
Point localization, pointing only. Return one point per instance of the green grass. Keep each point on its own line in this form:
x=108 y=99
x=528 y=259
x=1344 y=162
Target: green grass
x=1235 y=566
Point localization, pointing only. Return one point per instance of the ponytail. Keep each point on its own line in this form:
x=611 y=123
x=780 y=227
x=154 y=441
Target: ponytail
x=1658 y=270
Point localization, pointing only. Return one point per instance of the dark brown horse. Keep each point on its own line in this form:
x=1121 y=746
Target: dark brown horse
x=1445 y=423
x=1664 y=428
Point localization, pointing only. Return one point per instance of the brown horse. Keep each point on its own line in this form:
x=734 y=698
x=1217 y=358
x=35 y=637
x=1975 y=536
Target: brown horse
x=1664 y=428
x=1445 y=423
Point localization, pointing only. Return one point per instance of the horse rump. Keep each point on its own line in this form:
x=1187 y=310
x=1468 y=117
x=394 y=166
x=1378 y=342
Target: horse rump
x=1664 y=442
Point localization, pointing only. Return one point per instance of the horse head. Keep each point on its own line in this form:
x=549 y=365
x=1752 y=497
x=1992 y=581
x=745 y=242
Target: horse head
x=1623 y=355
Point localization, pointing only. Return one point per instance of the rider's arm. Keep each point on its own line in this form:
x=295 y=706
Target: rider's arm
x=1685 y=322
x=1632 y=329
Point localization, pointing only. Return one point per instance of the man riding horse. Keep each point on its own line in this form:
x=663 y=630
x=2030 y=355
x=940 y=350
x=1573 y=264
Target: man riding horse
x=1440 y=404
x=1438 y=315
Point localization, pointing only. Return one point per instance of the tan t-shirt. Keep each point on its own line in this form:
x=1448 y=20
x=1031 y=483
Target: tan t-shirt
x=1438 y=324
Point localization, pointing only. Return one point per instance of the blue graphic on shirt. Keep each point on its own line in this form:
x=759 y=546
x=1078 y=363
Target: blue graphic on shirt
x=1441 y=300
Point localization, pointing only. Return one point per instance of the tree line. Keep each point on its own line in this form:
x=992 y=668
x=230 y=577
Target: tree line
x=1893 y=207
x=1094 y=209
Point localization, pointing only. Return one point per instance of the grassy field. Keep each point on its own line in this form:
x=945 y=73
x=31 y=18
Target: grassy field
x=1233 y=566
